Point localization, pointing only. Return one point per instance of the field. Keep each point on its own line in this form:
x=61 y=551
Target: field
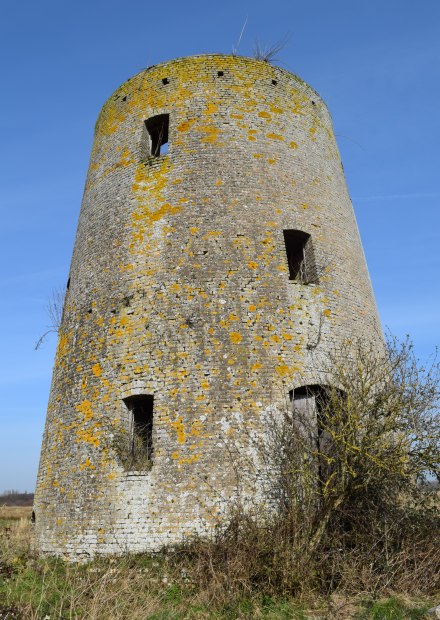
x=14 y=513
x=153 y=587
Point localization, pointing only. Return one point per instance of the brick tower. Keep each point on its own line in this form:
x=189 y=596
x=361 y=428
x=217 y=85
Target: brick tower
x=217 y=260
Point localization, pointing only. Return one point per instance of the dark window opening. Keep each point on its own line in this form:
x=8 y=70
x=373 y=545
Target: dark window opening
x=300 y=256
x=220 y=73
x=274 y=82
x=124 y=98
x=165 y=81
x=33 y=517
x=312 y=410
x=310 y=396
x=68 y=284
x=155 y=139
x=141 y=429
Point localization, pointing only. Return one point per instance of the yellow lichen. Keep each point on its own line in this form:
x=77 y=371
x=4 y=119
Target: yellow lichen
x=86 y=409
x=179 y=427
x=274 y=136
x=87 y=437
x=282 y=370
x=211 y=108
x=97 y=370
x=87 y=464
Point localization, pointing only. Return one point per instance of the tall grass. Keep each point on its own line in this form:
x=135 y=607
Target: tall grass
x=233 y=576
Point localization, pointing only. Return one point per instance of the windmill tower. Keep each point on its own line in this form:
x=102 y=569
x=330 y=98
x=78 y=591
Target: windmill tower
x=217 y=259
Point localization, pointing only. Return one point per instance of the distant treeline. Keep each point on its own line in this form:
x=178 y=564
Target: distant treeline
x=15 y=498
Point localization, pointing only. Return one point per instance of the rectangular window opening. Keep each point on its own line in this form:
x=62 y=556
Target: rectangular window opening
x=141 y=430
x=300 y=256
x=313 y=405
x=155 y=138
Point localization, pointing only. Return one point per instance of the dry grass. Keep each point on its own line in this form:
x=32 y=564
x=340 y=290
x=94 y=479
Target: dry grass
x=15 y=512
x=166 y=586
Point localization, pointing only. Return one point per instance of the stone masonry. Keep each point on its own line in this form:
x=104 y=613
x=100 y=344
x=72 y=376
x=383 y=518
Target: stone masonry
x=208 y=280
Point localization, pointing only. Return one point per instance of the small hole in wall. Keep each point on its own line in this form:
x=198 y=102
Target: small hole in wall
x=274 y=82
x=220 y=73
x=165 y=81
x=313 y=103
x=89 y=311
x=33 y=517
x=124 y=98
x=68 y=284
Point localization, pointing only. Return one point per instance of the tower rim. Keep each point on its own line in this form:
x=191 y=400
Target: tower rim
x=275 y=70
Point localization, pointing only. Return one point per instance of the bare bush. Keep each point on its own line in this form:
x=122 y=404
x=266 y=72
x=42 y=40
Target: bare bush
x=54 y=310
x=353 y=510
x=132 y=451
x=268 y=53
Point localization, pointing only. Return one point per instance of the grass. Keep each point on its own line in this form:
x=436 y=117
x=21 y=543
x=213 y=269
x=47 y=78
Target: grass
x=393 y=608
x=12 y=513
x=150 y=587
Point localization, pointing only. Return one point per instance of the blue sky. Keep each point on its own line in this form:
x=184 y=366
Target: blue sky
x=377 y=66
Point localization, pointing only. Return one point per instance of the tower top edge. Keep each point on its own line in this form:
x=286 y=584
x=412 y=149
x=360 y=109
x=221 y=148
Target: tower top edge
x=272 y=71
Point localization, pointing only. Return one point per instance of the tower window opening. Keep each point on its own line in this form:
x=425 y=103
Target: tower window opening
x=274 y=82
x=68 y=284
x=165 y=81
x=300 y=256
x=311 y=406
x=220 y=73
x=140 y=430
x=155 y=137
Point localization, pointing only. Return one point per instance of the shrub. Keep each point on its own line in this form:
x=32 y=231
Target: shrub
x=355 y=508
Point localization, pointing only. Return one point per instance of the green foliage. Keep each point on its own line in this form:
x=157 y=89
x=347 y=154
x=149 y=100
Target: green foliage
x=392 y=609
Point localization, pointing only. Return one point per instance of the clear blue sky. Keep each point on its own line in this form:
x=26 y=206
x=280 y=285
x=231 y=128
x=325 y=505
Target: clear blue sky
x=375 y=63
